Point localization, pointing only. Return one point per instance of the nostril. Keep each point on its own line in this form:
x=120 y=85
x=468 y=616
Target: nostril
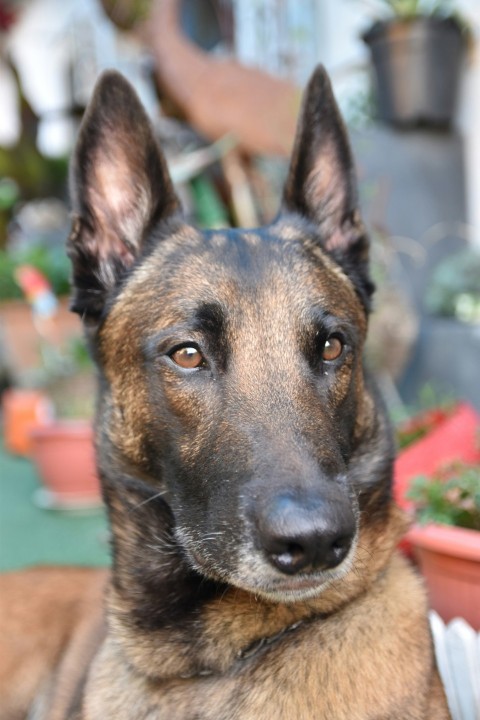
x=317 y=551
x=295 y=550
x=339 y=550
x=291 y=560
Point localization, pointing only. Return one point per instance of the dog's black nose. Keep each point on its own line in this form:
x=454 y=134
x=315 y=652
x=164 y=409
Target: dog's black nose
x=305 y=534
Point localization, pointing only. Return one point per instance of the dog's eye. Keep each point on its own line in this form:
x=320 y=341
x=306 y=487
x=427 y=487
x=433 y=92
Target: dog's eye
x=188 y=357
x=332 y=349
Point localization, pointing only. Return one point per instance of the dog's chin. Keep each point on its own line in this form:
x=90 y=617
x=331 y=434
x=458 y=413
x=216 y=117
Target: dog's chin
x=293 y=592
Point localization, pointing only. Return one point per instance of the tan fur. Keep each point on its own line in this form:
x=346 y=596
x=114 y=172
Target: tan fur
x=370 y=627
x=47 y=619
x=363 y=648
x=220 y=607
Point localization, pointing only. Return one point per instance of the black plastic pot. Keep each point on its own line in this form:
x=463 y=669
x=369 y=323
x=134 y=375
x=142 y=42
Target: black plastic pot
x=417 y=66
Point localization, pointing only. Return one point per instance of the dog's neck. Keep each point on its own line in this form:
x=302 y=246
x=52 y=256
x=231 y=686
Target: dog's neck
x=179 y=618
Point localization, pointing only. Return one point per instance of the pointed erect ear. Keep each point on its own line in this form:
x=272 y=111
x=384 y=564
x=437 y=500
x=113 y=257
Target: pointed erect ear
x=120 y=187
x=321 y=184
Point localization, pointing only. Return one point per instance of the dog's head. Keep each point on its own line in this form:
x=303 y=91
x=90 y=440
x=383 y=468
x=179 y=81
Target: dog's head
x=231 y=378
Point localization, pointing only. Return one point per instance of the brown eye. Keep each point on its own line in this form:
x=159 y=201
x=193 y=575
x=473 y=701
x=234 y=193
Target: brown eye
x=188 y=357
x=332 y=349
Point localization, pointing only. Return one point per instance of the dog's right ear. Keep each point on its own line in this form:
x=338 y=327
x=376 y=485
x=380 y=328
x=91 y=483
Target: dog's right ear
x=120 y=187
x=321 y=185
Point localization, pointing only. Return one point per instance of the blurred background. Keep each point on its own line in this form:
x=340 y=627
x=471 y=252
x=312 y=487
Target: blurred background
x=222 y=82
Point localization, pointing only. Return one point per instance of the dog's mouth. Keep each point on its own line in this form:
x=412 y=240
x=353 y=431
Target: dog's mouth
x=256 y=573
x=261 y=581
x=251 y=572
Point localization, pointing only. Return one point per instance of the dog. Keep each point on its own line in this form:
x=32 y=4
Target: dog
x=245 y=458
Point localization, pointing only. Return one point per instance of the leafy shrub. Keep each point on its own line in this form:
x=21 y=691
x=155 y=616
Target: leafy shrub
x=454 y=290
x=51 y=261
x=450 y=497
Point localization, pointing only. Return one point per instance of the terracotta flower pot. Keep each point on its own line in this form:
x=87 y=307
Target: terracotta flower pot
x=64 y=456
x=22 y=411
x=449 y=559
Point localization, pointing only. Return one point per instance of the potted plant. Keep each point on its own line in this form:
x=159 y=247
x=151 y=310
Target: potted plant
x=417 y=48
x=49 y=419
x=64 y=457
x=446 y=540
x=62 y=449
x=17 y=322
x=431 y=439
x=35 y=325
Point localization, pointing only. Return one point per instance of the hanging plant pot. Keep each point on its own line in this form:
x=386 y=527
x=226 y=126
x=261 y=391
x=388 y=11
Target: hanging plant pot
x=63 y=454
x=417 y=65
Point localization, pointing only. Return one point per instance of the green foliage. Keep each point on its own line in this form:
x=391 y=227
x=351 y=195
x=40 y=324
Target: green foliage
x=209 y=208
x=454 y=290
x=128 y=13
x=450 y=497
x=66 y=374
x=359 y=108
x=51 y=261
x=72 y=358
x=9 y=193
x=408 y=9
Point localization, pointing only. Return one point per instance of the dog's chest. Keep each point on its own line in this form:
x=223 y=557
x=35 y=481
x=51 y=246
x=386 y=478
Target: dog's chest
x=337 y=668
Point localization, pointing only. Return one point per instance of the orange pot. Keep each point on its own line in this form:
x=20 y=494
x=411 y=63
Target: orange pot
x=23 y=410
x=449 y=558
x=64 y=456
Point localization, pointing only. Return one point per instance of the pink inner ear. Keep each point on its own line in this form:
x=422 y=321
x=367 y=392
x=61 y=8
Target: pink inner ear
x=325 y=177
x=325 y=189
x=110 y=181
x=336 y=241
x=121 y=200
x=347 y=234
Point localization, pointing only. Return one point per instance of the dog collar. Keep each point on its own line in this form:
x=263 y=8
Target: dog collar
x=250 y=651
x=256 y=646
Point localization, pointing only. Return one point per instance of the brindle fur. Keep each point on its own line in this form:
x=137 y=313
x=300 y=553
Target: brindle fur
x=199 y=623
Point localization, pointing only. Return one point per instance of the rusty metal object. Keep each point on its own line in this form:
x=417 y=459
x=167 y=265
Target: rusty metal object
x=259 y=109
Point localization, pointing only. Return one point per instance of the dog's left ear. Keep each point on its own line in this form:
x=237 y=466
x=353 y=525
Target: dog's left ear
x=120 y=188
x=321 y=185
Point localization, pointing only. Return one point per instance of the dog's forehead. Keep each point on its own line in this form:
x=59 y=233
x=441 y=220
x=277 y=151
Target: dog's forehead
x=273 y=265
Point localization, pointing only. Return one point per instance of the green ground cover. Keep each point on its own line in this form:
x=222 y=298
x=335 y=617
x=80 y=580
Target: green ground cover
x=30 y=535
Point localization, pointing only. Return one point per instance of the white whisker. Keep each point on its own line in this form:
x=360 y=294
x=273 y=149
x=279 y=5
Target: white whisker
x=150 y=499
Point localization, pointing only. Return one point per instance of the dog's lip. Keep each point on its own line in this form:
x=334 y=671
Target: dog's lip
x=295 y=591
x=300 y=583
x=296 y=587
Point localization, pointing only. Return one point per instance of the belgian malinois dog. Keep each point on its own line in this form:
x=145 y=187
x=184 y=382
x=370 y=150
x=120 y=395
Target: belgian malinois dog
x=245 y=458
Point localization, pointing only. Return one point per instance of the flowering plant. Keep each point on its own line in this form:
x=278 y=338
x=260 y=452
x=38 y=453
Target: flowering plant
x=420 y=425
x=451 y=496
